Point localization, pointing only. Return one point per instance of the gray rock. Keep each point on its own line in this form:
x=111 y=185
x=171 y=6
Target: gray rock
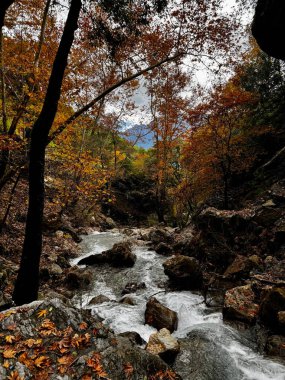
x=113 y=354
x=162 y=343
x=240 y=304
x=120 y=255
x=99 y=299
x=184 y=272
x=160 y=316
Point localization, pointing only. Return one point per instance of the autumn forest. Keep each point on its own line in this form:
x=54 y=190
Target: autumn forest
x=165 y=116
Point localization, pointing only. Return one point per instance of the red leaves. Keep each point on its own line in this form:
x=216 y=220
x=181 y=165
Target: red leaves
x=96 y=366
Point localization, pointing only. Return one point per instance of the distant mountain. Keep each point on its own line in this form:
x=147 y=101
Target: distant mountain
x=139 y=134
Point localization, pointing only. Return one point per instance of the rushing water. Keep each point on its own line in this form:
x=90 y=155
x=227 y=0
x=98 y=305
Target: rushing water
x=227 y=353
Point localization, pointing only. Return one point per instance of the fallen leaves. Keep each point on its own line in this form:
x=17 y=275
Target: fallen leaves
x=10 y=338
x=42 y=361
x=42 y=313
x=15 y=376
x=9 y=353
x=95 y=364
x=32 y=342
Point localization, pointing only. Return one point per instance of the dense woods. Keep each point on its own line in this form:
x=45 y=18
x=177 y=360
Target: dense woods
x=133 y=114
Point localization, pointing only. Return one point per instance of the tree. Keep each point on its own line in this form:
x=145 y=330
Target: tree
x=128 y=40
x=27 y=283
x=169 y=111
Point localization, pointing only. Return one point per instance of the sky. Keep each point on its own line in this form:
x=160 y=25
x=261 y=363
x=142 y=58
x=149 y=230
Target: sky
x=202 y=75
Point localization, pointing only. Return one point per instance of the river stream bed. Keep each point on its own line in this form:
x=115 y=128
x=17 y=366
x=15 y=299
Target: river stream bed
x=211 y=350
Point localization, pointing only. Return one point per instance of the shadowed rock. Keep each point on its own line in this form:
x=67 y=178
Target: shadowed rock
x=184 y=271
x=119 y=256
x=160 y=316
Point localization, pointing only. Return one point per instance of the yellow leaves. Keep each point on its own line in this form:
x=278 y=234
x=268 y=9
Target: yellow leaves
x=6 y=315
x=32 y=342
x=10 y=338
x=65 y=360
x=42 y=313
x=9 y=353
x=6 y=364
x=26 y=360
x=48 y=328
x=15 y=376
x=42 y=361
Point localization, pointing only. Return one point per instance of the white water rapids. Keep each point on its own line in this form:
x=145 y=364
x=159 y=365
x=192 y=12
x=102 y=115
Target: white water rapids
x=194 y=317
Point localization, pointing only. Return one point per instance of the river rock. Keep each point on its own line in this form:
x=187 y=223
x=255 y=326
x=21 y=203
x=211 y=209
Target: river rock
x=134 y=337
x=55 y=269
x=87 y=343
x=272 y=304
x=77 y=278
x=275 y=345
x=240 y=304
x=127 y=301
x=224 y=220
x=205 y=354
x=99 y=299
x=160 y=235
x=120 y=255
x=267 y=216
x=132 y=287
x=160 y=316
x=163 y=249
x=241 y=267
x=162 y=343
x=184 y=271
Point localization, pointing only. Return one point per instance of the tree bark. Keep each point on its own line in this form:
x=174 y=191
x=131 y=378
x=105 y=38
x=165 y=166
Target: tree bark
x=27 y=283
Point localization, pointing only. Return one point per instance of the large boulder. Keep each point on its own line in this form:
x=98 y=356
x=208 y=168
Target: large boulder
x=224 y=220
x=77 y=278
x=241 y=266
x=99 y=299
x=52 y=340
x=160 y=235
x=272 y=304
x=217 y=352
x=162 y=343
x=160 y=316
x=240 y=304
x=163 y=249
x=184 y=271
x=120 y=255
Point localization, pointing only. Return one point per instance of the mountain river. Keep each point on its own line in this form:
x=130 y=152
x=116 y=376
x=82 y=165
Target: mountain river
x=210 y=349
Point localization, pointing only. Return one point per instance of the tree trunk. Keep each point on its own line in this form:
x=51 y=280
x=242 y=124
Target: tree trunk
x=27 y=283
x=226 y=193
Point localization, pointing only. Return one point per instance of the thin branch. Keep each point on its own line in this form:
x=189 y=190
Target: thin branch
x=78 y=113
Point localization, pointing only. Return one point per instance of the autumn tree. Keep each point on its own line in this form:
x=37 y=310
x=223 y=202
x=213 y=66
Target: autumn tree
x=118 y=43
x=221 y=145
x=169 y=111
